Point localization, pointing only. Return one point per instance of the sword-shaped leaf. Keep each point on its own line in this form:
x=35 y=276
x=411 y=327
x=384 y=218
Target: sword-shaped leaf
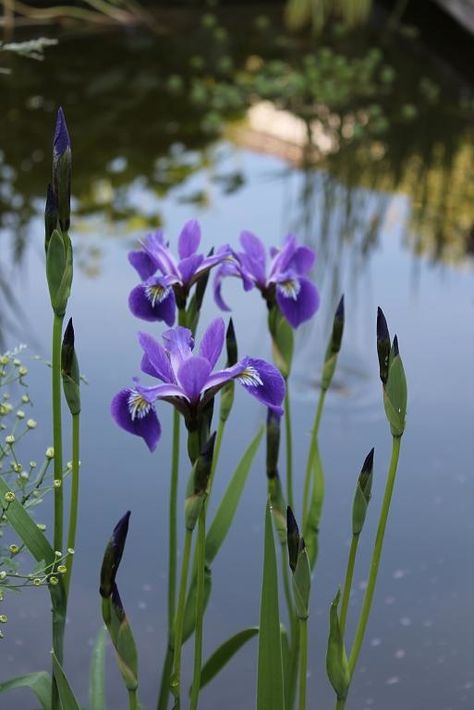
x=39 y=683
x=225 y=653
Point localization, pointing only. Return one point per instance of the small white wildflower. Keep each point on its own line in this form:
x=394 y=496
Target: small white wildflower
x=32 y=424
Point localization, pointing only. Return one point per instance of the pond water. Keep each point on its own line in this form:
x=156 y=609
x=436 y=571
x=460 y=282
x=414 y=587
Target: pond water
x=143 y=158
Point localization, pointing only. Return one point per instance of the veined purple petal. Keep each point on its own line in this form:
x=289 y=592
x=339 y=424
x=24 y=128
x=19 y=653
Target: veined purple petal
x=282 y=259
x=155 y=360
x=192 y=376
x=147 y=306
x=188 y=266
x=189 y=239
x=179 y=343
x=264 y=382
x=167 y=389
x=228 y=268
x=144 y=264
x=213 y=341
x=302 y=260
x=303 y=306
x=253 y=258
x=136 y=416
x=155 y=247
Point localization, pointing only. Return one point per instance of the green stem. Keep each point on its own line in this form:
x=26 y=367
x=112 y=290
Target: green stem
x=200 y=561
x=215 y=457
x=165 y=676
x=172 y=521
x=132 y=700
x=348 y=582
x=293 y=672
x=57 y=614
x=57 y=434
x=312 y=452
x=374 y=566
x=179 y=622
x=340 y=704
x=289 y=449
x=74 y=503
x=286 y=586
x=303 y=624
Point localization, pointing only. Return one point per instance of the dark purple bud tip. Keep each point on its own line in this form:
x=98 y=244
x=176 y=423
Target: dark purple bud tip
x=231 y=344
x=67 y=350
x=117 y=602
x=338 y=327
x=207 y=451
x=369 y=461
x=365 y=476
x=340 y=309
x=119 y=535
x=395 y=347
x=382 y=327
x=61 y=140
x=293 y=538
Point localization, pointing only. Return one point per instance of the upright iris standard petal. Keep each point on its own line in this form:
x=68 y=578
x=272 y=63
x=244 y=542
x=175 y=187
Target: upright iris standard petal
x=188 y=266
x=134 y=413
x=189 y=239
x=192 y=376
x=145 y=265
x=253 y=258
x=213 y=341
x=179 y=343
x=153 y=300
x=300 y=307
x=155 y=360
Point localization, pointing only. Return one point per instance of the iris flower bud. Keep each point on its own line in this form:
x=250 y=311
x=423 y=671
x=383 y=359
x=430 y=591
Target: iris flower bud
x=113 y=555
x=334 y=346
x=227 y=393
x=383 y=345
x=50 y=216
x=362 y=494
x=62 y=170
x=70 y=371
x=336 y=660
x=299 y=564
x=197 y=485
x=395 y=393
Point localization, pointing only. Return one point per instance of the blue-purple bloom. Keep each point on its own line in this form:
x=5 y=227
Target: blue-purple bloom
x=165 y=280
x=188 y=380
x=283 y=279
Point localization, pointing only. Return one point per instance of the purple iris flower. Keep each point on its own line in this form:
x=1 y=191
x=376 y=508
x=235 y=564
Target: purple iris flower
x=188 y=380
x=283 y=279
x=166 y=280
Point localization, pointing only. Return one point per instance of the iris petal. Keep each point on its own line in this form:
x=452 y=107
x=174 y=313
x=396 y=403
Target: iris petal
x=303 y=307
x=146 y=426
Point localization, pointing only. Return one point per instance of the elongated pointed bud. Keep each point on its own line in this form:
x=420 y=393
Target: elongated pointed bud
x=62 y=170
x=113 y=555
x=383 y=345
x=59 y=270
x=395 y=394
x=299 y=565
x=70 y=371
x=336 y=660
x=362 y=494
x=113 y=611
x=50 y=216
x=196 y=491
x=293 y=538
x=334 y=346
x=273 y=443
x=227 y=392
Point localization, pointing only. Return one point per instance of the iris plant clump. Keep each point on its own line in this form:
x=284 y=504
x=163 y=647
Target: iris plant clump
x=192 y=381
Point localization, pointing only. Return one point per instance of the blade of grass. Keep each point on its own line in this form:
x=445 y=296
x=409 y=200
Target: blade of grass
x=97 y=672
x=39 y=683
x=225 y=653
x=66 y=696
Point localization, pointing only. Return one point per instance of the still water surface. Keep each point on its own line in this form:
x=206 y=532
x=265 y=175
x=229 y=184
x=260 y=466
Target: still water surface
x=419 y=649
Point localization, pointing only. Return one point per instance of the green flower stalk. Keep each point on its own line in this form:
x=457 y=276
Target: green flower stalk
x=72 y=394
x=113 y=612
x=313 y=493
x=299 y=565
x=194 y=510
x=359 y=511
x=394 y=385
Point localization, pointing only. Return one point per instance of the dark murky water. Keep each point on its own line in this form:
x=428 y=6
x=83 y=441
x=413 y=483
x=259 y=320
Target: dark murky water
x=139 y=160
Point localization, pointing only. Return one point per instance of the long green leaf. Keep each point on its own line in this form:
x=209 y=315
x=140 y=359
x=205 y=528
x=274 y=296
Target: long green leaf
x=66 y=696
x=190 y=609
x=97 y=673
x=230 y=500
x=39 y=683
x=224 y=653
x=270 y=685
x=26 y=528
x=313 y=518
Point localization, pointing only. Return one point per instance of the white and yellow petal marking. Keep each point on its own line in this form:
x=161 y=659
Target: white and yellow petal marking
x=250 y=377
x=156 y=293
x=290 y=288
x=138 y=406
